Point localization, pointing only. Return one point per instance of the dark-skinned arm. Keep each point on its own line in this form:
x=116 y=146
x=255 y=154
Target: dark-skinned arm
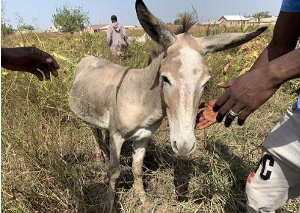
x=278 y=63
x=29 y=59
x=285 y=36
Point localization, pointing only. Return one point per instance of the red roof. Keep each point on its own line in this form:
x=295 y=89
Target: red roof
x=98 y=26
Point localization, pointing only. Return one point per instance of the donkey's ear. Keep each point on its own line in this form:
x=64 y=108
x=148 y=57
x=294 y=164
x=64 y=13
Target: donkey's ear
x=225 y=41
x=154 y=27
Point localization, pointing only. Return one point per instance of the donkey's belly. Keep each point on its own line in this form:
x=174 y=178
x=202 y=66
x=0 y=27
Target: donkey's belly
x=89 y=112
x=98 y=121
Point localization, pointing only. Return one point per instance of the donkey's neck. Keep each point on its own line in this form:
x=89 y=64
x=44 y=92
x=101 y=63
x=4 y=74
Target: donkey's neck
x=144 y=80
x=150 y=76
x=151 y=73
x=149 y=79
x=139 y=100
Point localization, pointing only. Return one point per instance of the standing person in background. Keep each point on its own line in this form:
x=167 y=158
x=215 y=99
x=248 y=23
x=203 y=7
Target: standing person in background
x=277 y=176
x=116 y=38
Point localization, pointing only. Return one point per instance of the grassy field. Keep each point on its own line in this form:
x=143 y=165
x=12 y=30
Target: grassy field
x=48 y=158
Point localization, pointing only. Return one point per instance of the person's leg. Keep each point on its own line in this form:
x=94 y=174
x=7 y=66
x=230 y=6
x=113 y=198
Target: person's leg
x=270 y=185
x=277 y=177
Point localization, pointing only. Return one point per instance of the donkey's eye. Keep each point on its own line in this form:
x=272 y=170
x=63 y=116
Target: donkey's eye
x=165 y=79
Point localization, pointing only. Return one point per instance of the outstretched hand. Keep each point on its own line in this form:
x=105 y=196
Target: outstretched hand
x=207 y=117
x=29 y=59
x=245 y=95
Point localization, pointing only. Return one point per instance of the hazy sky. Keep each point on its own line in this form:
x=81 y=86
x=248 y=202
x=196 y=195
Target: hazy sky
x=99 y=11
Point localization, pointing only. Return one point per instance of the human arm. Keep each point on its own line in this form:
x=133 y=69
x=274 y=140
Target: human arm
x=124 y=33
x=254 y=88
x=109 y=36
x=278 y=63
x=29 y=59
x=285 y=37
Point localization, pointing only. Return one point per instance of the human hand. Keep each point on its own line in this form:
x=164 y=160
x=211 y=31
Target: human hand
x=29 y=59
x=246 y=93
x=206 y=117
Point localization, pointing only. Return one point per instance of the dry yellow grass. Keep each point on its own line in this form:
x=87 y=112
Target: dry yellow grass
x=48 y=154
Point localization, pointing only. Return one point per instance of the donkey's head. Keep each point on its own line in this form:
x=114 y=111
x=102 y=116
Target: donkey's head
x=184 y=72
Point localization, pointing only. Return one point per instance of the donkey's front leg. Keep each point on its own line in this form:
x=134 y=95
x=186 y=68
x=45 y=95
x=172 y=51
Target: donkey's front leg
x=139 y=150
x=116 y=142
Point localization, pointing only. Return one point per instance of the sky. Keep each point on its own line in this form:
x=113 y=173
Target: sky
x=38 y=13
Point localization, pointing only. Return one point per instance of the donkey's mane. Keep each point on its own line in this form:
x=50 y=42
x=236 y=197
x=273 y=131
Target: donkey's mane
x=188 y=21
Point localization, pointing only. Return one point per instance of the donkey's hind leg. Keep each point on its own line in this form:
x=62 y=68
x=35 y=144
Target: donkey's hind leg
x=101 y=147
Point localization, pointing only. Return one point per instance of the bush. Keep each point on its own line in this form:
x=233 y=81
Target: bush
x=26 y=27
x=6 y=29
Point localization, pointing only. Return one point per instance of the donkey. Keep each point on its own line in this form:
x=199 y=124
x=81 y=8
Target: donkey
x=131 y=103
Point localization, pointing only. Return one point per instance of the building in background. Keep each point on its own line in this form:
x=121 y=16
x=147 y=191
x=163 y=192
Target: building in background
x=233 y=20
x=263 y=21
x=238 y=20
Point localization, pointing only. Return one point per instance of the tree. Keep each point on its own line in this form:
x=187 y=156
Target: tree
x=70 y=20
x=192 y=15
x=6 y=29
x=259 y=15
x=178 y=19
x=26 y=27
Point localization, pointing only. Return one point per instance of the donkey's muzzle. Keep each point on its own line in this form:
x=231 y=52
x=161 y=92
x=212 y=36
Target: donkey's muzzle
x=183 y=149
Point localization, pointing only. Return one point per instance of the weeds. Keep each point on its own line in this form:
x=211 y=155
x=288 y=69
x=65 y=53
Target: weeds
x=48 y=153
